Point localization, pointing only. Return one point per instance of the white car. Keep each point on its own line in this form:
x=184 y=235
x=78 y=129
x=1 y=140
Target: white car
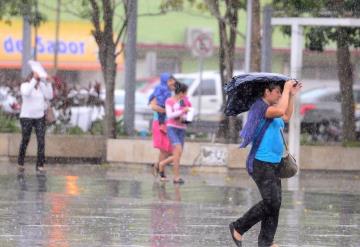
x=206 y=97
x=83 y=115
x=143 y=113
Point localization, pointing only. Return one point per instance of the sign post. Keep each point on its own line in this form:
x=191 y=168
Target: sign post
x=202 y=47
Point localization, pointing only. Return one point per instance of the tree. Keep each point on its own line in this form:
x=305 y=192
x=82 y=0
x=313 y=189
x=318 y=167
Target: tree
x=101 y=14
x=226 y=12
x=12 y=8
x=31 y=16
x=344 y=37
x=255 y=63
x=227 y=23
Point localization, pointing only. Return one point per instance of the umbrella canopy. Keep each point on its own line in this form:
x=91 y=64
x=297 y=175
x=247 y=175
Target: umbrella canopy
x=244 y=89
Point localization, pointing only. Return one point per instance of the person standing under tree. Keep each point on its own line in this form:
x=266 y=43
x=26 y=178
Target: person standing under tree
x=265 y=121
x=35 y=93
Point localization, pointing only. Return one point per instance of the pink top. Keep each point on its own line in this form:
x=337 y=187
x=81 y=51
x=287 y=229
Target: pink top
x=174 y=112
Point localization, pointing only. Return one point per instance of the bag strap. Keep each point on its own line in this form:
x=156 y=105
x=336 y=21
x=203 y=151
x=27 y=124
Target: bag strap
x=261 y=133
x=285 y=143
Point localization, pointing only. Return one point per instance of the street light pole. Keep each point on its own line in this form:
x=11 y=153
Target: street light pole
x=248 y=36
x=57 y=31
x=26 y=42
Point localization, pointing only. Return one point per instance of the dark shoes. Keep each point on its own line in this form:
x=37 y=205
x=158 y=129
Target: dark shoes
x=40 y=169
x=232 y=232
x=179 y=181
x=20 y=168
x=155 y=169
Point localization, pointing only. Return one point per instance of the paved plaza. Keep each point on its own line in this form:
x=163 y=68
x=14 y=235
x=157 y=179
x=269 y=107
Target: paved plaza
x=118 y=205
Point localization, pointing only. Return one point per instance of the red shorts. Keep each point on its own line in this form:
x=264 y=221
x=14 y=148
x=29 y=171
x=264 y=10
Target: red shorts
x=160 y=138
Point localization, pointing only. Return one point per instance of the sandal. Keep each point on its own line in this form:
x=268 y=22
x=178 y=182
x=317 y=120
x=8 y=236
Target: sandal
x=232 y=230
x=163 y=178
x=179 y=181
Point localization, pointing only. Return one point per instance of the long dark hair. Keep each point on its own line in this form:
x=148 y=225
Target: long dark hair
x=180 y=88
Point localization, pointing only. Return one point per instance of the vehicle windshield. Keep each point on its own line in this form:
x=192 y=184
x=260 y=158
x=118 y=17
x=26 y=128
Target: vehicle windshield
x=186 y=80
x=313 y=94
x=140 y=99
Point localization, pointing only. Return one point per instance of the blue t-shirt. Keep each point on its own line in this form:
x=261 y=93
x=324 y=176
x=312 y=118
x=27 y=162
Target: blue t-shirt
x=272 y=146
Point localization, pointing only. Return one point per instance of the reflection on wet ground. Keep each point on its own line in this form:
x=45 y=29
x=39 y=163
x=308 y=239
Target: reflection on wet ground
x=88 y=205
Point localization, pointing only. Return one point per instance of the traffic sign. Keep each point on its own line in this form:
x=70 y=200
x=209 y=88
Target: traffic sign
x=202 y=45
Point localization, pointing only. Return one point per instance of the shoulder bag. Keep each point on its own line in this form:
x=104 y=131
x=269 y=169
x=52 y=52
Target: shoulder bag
x=288 y=167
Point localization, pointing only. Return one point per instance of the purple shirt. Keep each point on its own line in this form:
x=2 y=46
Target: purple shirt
x=252 y=133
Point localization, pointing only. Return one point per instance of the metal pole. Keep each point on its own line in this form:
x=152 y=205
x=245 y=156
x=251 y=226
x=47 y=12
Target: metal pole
x=201 y=67
x=296 y=64
x=57 y=31
x=248 y=45
x=26 y=44
x=36 y=31
x=130 y=68
x=266 y=41
x=248 y=36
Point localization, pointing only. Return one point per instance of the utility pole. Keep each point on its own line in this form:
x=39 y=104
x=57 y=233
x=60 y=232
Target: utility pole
x=248 y=36
x=255 y=54
x=266 y=42
x=130 y=67
x=36 y=25
x=57 y=31
x=26 y=42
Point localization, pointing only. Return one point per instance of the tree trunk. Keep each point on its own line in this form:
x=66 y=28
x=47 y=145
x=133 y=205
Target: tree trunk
x=233 y=20
x=107 y=58
x=345 y=76
x=130 y=68
x=110 y=71
x=228 y=125
x=108 y=68
x=255 y=37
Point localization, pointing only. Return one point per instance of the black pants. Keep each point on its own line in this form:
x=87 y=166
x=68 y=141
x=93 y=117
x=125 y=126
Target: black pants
x=26 y=128
x=267 y=210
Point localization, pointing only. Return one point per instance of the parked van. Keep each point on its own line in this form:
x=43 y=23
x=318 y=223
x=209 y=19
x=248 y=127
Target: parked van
x=206 y=97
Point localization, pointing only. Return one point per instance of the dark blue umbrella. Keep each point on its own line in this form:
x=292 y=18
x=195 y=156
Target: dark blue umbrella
x=243 y=90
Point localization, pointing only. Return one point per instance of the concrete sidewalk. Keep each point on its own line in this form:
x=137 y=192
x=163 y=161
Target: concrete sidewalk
x=92 y=205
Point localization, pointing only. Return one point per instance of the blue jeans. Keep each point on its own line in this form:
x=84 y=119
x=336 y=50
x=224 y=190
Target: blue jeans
x=176 y=135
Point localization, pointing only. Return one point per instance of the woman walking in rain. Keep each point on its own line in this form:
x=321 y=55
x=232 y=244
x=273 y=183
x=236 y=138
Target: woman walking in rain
x=34 y=93
x=176 y=109
x=157 y=103
x=265 y=120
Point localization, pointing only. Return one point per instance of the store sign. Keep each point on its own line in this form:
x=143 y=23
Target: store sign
x=77 y=48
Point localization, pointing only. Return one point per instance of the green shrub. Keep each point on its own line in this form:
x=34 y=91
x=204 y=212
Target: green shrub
x=75 y=131
x=120 y=128
x=8 y=124
x=97 y=128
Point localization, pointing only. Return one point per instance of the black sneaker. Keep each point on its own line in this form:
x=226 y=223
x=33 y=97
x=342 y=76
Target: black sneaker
x=179 y=181
x=232 y=229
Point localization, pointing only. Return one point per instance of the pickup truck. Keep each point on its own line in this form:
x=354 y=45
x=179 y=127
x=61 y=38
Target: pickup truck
x=206 y=97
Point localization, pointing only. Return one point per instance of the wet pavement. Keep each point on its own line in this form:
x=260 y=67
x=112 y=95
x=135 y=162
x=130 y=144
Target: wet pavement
x=93 y=205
